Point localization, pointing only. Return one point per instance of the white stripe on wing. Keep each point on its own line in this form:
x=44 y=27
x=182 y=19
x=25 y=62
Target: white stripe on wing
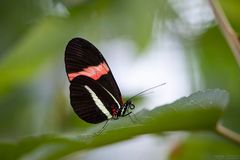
x=99 y=103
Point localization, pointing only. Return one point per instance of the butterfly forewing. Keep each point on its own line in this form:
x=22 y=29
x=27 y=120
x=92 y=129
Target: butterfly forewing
x=93 y=91
x=81 y=54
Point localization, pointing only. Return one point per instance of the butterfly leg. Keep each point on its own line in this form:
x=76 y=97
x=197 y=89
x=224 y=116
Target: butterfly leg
x=133 y=121
x=135 y=118
x=101 y=130
x=129 y=115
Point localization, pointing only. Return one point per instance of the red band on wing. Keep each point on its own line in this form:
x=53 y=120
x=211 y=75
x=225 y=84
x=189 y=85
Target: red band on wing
x=94 y=72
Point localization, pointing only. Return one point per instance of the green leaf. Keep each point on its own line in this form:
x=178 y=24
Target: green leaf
x=205 y=145
x=199 y=111
x=231 y=9
x=47 y=38
x=213 y=67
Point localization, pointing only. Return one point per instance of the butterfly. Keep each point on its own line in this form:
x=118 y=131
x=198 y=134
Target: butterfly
x=94 y=93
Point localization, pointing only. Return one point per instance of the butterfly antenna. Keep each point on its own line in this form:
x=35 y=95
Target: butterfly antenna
x=140 y=93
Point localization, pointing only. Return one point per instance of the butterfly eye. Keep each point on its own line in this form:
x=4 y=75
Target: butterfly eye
x=131 y=106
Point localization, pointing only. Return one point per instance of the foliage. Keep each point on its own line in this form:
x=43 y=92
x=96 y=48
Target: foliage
x=199 y=111
x=35 y=119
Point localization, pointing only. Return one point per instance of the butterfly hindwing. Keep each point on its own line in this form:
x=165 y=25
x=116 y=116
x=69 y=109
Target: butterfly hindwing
x=84 y=59
x=91 y=101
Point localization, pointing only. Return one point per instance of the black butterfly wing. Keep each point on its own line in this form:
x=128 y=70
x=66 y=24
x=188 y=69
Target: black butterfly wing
x=90 y=101
x=90 y=77
x=80 y=55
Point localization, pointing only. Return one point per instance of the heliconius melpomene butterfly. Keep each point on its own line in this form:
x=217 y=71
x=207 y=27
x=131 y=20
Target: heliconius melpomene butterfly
x=94 y=93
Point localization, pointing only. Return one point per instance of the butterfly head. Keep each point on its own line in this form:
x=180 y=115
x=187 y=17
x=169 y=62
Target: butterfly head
x=126 y=109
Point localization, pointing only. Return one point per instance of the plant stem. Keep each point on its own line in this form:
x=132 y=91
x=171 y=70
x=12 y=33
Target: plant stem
x=227 y=132
x=228 y=32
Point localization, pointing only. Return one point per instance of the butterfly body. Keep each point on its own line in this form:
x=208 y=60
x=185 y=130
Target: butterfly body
x=94 y=93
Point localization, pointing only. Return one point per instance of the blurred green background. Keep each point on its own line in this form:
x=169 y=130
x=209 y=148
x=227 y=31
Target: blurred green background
x=34 y=89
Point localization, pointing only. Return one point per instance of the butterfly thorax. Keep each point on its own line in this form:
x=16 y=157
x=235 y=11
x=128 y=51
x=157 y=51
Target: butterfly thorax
x=124 y=110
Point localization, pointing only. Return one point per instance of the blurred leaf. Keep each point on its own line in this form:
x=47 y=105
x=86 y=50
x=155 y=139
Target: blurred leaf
x=16 y=19
x=200 y=111
x=47 y=38
x=205 y=145
x=32 y=52
x=232 y=11
x=219 y=69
